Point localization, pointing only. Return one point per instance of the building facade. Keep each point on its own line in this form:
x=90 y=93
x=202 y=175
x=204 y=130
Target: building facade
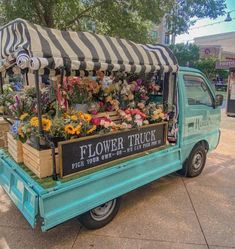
x=220 y=46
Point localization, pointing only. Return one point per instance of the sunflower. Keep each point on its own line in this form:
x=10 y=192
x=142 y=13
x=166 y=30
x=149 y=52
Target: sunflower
x=69 y=129
x=46 y=124
x=74 y=117
x=78 y=129
x=93 y=128
x=20 y=131
x=87 y=117
x=23 y=116
x=34 y=121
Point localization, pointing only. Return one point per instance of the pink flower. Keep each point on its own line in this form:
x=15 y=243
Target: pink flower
x=94 y=112
x=101 y=104
x=96 y=121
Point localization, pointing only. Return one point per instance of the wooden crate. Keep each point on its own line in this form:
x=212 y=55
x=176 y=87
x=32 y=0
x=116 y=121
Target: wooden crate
x=4 y=129
x=39 y=161
x=15 y=148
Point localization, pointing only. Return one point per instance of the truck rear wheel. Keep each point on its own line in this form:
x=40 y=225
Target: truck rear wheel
x=100 y=216
x=195 y=162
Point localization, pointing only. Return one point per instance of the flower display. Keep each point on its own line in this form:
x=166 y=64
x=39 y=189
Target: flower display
x=117 y=92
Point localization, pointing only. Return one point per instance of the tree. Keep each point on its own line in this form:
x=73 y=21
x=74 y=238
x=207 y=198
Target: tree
x=130 y=19
x=207 y=66
x=186 y=12
x=186 y=54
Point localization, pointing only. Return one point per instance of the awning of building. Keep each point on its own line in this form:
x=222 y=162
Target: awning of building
x=35 y=47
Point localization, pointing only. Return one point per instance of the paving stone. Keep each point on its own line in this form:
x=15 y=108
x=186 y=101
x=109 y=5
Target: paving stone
x=215 y=207
x=9 y=214
x=96 y=242
x=160 y=211
x=57 y=238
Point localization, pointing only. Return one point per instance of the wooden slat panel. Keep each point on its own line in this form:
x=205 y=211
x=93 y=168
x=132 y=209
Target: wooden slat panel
x=40 y=162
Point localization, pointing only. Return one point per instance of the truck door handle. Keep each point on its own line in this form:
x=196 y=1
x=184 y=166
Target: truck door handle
x=190 y=124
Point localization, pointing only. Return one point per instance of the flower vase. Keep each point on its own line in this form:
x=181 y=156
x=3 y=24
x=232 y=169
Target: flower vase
x=81 y=107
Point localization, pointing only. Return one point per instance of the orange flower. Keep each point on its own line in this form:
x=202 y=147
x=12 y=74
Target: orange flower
x=20 y=131
x=34 y=121
x=87 y=117
x=69 y=129
x=78 y=129
x=74 y=117
x=46 y=124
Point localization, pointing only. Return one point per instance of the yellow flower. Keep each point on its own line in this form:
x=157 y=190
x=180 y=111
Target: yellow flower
x=23 y=116
x=34 y=121
x=69 y=129
x=20 y=131
x=87 y=117
x=74 y=117
x=81 y=115
x=46 y=124
x=91 y=130
x=155 y=116
x=162 y=115
x=78 y=129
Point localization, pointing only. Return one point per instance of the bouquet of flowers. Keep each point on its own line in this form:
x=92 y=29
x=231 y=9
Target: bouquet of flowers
x=154 y=113
x=133 y=118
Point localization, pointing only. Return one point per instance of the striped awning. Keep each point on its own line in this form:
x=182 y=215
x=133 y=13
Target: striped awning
x=35 y=47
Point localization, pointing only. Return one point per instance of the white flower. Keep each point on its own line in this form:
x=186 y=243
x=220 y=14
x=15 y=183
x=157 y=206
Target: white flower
x=138 y=117
x=146 y=122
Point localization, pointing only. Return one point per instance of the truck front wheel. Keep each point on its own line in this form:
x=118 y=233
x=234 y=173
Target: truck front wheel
x=101 y=215
x=195 y=162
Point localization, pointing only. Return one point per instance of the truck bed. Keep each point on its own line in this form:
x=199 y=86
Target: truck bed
x=57 y=201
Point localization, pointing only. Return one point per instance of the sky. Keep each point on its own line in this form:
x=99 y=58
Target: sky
x=197 y=31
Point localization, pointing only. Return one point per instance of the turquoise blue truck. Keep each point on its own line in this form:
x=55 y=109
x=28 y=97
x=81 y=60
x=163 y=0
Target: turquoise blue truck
x=95 y=198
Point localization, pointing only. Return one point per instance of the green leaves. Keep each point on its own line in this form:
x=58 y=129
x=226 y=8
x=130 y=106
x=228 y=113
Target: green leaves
x=130 y=19
x=181 y=17
x=186 y=54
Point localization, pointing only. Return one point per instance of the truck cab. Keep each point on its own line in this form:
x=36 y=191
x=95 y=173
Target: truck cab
x=200 y=112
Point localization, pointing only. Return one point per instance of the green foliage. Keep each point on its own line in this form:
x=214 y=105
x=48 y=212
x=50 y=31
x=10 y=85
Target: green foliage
x=185 y=13
x=207 y=66
x=130 y=19
x=186 y=54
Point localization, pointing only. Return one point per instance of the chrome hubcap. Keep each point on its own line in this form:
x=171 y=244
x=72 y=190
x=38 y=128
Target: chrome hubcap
x=197 y=161
x=103 y=211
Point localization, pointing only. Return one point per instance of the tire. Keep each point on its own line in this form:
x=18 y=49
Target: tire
x=101 y=215
x=195 y=163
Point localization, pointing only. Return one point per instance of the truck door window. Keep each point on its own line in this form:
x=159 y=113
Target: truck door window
x=197 y=92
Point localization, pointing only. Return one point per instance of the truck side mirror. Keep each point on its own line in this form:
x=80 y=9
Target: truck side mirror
x=218 y=99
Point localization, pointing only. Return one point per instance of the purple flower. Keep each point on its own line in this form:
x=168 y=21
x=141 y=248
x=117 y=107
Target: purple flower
x=17 y=100
x=14 y=127
x=139 y=82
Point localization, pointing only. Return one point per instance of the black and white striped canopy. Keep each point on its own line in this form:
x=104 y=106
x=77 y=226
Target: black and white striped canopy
x=35 y=47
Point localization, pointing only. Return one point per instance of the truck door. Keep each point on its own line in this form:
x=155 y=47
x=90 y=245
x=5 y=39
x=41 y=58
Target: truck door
x=201 y=118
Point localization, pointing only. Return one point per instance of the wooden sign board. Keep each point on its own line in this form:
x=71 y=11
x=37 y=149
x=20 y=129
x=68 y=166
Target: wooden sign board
x=85 y=153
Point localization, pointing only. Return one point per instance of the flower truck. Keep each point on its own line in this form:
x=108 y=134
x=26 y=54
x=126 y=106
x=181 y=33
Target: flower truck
x=95 y=118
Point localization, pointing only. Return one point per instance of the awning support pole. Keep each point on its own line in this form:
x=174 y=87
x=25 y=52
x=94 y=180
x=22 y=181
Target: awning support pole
x=1 y=84
x=38 y=95
x=41 y=133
